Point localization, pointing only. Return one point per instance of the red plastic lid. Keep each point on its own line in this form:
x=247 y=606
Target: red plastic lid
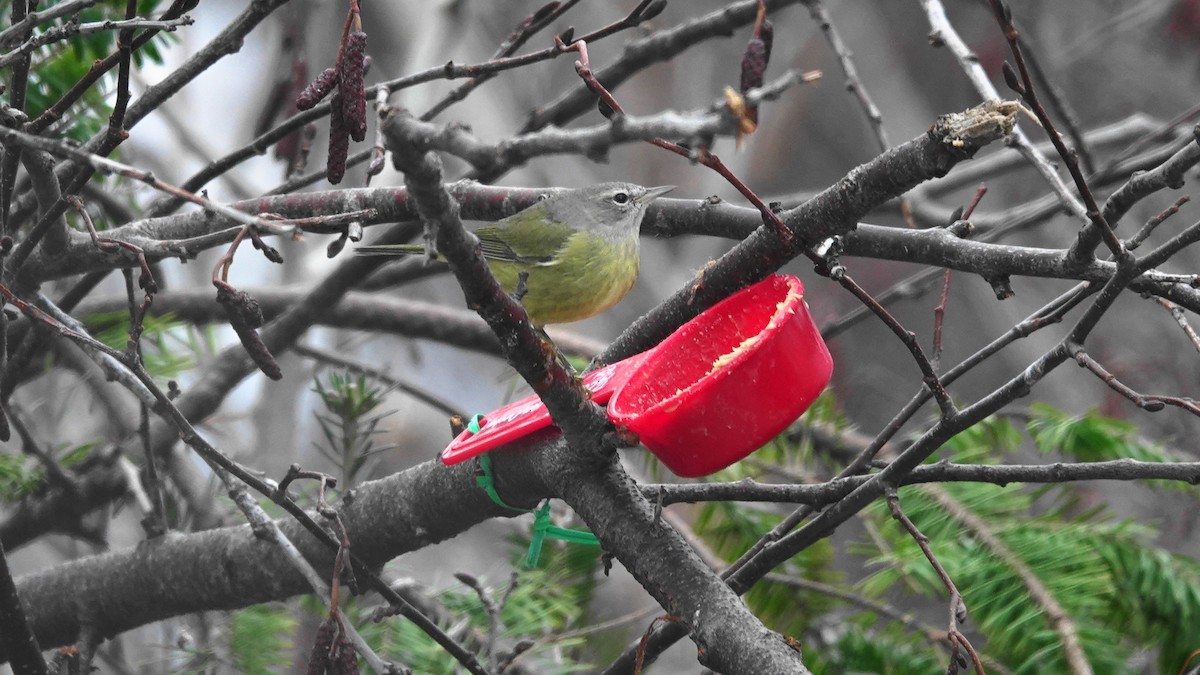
x=528 y=415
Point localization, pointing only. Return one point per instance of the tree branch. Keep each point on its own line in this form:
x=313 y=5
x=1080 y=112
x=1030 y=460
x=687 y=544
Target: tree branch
x=230 y=567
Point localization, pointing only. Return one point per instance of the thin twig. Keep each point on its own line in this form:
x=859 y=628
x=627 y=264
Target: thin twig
x=12 y=34
x=528 y=27
x=832 y=491
x=1147 y=229
x=1147 y=402
x=71 y=30
x=958 y=610
x=939 y=310
x=139 y=382
x=448 y=71
x=1098 y=224
x=1058 y=618
x=1181 y=319
x=108 y=166
x=942 y=33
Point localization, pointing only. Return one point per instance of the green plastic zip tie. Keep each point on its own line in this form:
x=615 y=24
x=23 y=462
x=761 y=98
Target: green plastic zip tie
x=485 y=481
x=542 y=528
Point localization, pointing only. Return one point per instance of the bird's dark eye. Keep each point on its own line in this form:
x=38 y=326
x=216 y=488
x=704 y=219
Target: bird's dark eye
x=621 y=197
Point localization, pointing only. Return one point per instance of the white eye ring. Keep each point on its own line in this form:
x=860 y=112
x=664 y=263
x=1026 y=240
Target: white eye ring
x=621 y=198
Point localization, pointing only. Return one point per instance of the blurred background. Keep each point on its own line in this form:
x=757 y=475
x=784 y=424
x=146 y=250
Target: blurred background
x=1125 y=68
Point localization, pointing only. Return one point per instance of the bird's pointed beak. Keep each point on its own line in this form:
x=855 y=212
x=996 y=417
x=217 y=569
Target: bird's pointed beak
x=654 y=193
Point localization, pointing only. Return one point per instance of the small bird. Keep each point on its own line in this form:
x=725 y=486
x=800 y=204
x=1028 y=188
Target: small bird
x=579 y=248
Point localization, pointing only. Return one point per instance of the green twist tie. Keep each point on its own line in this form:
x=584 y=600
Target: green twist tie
x=487 y=482
x=542 y=528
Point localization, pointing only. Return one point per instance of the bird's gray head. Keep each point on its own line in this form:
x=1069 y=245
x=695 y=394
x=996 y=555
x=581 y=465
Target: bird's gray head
x=613 y=210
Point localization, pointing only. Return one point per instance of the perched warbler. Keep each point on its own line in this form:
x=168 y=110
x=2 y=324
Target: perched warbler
x=579 y=248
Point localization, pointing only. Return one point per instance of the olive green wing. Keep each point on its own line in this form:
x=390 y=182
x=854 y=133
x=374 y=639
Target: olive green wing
x=528 y=237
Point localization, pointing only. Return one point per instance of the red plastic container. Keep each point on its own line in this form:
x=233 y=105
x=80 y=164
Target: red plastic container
x=727 y=381
x=528 y=415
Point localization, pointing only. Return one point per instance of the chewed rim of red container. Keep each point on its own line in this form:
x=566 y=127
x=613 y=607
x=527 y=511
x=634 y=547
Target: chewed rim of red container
x=784 y=309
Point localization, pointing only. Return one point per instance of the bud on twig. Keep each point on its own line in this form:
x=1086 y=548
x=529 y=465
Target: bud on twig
x=318 y=89
x=652 y=10
x=245 y=315
x=1012 y=80
x=754 y=64
x=346 y=659
x=318 y=659
x=335 y=247
x=542 y=13
x=766 y=33
x=269 y=252
x=353 y=94
x=339 y=141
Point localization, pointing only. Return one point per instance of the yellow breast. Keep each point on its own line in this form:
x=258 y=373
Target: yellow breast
x=588 y=276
